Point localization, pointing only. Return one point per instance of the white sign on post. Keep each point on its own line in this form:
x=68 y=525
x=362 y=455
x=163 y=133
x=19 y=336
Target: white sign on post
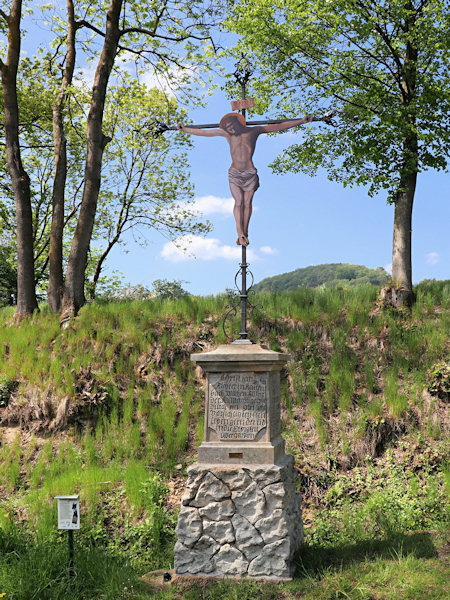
x=68 y=512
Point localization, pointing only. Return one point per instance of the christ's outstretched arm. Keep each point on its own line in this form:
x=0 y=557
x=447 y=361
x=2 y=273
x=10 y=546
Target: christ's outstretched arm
x=286 y=125
x=202 y=132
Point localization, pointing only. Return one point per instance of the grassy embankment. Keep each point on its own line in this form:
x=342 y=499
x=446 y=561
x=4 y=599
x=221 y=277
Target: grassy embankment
x=111 y=408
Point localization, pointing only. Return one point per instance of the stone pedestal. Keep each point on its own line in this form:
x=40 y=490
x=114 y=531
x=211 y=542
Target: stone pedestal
x=242 y=408
x=240 y=515
x=239 y=521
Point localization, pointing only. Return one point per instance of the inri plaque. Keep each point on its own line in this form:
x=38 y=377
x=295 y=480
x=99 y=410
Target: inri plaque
x=237 y=405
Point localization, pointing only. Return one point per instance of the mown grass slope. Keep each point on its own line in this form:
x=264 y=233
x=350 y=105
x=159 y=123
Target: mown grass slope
x=111 y=408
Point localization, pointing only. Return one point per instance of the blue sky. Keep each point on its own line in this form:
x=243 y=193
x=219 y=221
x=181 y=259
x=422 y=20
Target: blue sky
x=297 y=221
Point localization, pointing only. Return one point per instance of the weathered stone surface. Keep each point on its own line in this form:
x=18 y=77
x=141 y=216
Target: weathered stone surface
x=207 y=546
x=230 y=561
x=275 y=496
x=191 y=561
x=195 y=476
x=248 y=522
x=221 y=531
x=273 y=528
x=248 y=539
x=211 y=489
x=263 y=476
x=234 y=479
x=218 y=511
x=249 y=502
x=274 y=559
x=189 y=527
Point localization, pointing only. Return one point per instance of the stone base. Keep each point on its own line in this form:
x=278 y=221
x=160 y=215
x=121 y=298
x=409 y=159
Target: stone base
x=241 y=453
x=239 y=521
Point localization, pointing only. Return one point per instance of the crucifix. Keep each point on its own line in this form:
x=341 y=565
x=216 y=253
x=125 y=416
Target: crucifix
x=242 y=174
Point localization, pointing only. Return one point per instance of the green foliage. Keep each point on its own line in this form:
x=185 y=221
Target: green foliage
x=380 y=65
x=144 y=185
x=330 y=275
x=383 y=500
x=38 y=568
x=439 y=380
x=8 y=275
x=171 y=290
x=6 y=386
x=430 y=292
x=133 y=292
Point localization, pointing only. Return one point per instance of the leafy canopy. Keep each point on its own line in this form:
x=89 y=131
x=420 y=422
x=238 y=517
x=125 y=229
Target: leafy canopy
x=382 y=65
x=145 y=180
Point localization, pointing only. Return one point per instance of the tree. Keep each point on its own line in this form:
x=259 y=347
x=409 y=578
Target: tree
x=382 y=67
x=167 y=37
x=56 y=275
x=26 y=295
x=145 y=179
x=154 y=32
x=169 y=290
x=36 y=98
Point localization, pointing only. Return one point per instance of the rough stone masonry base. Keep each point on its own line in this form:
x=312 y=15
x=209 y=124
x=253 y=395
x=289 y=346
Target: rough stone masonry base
x=239 y=521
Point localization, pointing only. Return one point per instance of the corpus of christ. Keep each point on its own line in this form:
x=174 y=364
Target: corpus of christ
x=242 y=174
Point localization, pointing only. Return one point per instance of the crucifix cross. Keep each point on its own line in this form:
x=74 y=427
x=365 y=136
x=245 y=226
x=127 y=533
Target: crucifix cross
x=242 y=174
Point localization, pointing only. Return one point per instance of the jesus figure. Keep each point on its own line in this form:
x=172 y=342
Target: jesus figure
x=242 y=175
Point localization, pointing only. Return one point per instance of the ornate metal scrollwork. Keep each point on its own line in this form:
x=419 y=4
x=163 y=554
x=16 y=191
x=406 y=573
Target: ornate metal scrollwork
x=244 y=70
x=241 y=297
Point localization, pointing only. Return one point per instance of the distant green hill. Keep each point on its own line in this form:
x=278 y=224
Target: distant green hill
x=329 y=276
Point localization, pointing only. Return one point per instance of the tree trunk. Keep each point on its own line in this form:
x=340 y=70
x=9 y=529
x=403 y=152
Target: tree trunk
x=74 y=297
x=26 y=293
x=402 y=292
x=56 y=278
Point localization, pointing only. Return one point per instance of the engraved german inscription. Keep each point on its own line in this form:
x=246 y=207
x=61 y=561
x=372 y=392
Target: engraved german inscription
x=237 y=405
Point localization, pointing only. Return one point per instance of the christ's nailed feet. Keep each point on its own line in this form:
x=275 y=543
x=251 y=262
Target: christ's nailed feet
x=242 y=240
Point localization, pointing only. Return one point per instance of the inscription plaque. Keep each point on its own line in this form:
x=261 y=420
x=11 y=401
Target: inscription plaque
x=237 y=405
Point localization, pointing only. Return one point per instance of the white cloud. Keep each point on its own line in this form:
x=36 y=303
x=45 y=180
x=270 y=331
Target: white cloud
x=168 y=83
x=268 y=250
x=388 y=268
x=86 y=75
x=189 y=247
x=432 y=258
x=208 y=205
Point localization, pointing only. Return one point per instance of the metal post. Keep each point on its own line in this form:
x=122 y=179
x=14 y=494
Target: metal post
x=244 y=295
x=242 y=75
x=71 y=569
x=244 y=333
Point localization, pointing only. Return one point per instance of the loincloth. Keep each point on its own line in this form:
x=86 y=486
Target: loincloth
x=245 y=180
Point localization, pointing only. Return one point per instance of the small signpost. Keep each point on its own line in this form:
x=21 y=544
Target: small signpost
x=69 y=519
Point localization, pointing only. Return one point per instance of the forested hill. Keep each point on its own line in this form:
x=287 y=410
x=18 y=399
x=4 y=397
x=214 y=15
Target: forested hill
x=329 y=275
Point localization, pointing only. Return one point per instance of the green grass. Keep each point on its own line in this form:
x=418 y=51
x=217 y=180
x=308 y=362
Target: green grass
x=366 y=434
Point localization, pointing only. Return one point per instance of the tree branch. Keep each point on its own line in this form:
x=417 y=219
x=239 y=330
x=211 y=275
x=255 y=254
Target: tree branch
x=321 y=84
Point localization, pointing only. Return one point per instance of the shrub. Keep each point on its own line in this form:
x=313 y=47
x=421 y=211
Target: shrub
x=438 y=380
x=170 y=290
x=134 y=292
